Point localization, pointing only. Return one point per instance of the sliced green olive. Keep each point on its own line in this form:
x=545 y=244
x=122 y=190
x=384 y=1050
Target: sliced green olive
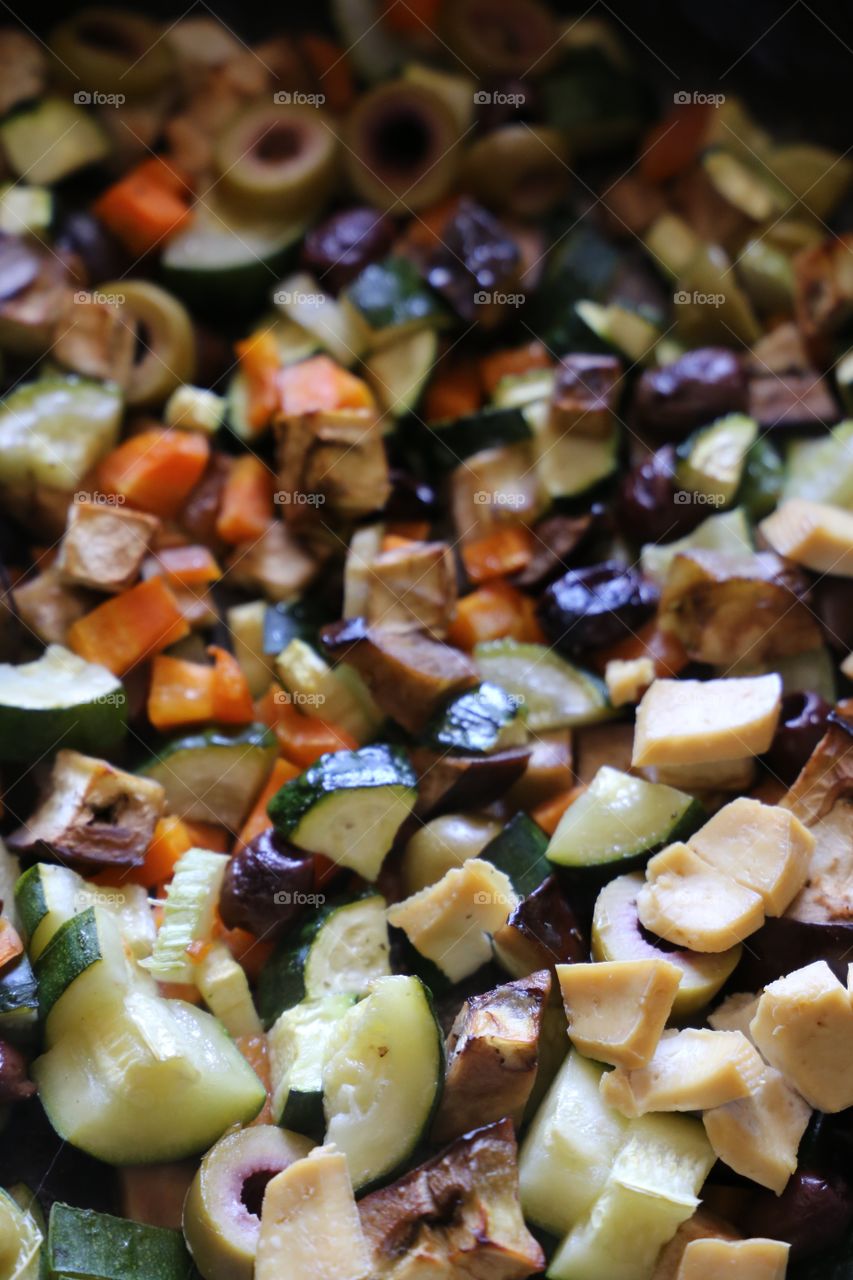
x=280 y=158
x=502 y=37
x=402 y=148
x=165 y=340
x=519 y=170
x=105 y=50
x=223 y=1205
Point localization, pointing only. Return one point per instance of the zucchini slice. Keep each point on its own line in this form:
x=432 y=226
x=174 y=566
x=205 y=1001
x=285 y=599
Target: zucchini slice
x=97 y=1246
x=383 y=1078
x=342 y=949
x=326 y=692
x=348 y=806
x=18 y=1000
x=54 y=431
x=729 y=532
x=479 y=721
x=620 y=820
x=52 y=138
x=298 y=1042
x=48 y=896
x=391 y=298
x=214 y=776
x=59 y=697
x=21 y=1240
x=554 y=693
x=519 y=851
x=83 y=972
x=399 y=372
x=446 y=444
x=568 y=463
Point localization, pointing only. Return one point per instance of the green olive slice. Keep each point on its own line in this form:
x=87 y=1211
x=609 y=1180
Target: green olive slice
x=166 y=342
x=106 y=50
x=402 y=148
x=519 y=169
x=279 y=158
x=502 y=37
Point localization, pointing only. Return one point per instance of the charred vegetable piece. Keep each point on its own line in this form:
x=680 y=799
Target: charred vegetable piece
x=392 y=300
x=265 y=887
x=95 y=815
x=697 y=388
x=492 y=1057
x=447 y=782
x=334 y=460
x=475 y=255
x=596 y=606
x=104 y=547
x=586 y=394
x=557 y=537
x=484 y=720
x=802 y=724
x=339 y=248
x=541 y=930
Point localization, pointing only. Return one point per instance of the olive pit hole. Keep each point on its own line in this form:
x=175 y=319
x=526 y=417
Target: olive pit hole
x=254 y=1187
x=281 y=142
x=402 y=140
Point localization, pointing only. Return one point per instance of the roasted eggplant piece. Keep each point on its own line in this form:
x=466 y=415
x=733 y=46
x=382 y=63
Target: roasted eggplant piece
x=692 y=391
x=557 y=538
x=411 y=588
x=492 y=1056
x=726 y=608
x=475 y=252
x=586 y=394
x=827 y=775
x=410 y=676
x=94 y=816
x=456 y=1215
x=447 y=782
x=541 y=931
x=548 y=773
x=104 y=546
x=792 y=401
x=802 y=724
x=264 y=885
x=824 y=292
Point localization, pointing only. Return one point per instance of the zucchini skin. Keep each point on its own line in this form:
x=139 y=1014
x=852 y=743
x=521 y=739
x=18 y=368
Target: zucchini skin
x=376 y=766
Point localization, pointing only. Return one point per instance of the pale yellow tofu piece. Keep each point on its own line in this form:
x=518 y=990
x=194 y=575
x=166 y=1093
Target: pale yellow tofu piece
x=691 y=1070
x=310 y=1228
x=813 y=534
x=758 y=1136
x=617 y=1009
x=701 y=1226
x=735 y=1013
x=734 y=1259
x=762 y=846
x=718 y=775
x=448 y=922
x=804 y=1028
x=690 y=904
x=683 y=722
x=627 y=681
x=847 y=667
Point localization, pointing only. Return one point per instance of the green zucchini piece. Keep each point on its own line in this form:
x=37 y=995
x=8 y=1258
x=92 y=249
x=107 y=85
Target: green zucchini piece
x=188 y=914
x=729 y=531
x=391 y=298
x=47 y=896
x=96 y=1246
x=292 y=620
x=399 y=372
x=713 y=460
x=482 y=720
x=82 y=971
x=520 y=852
x=375 y=52
x=813 y=670
x=570 y=464
x=631 y=333
x=224 y=988
x=383 y=1077
x=325 y=692
x=446 y=444
x=51 y=139
x=348 y=806
x=54 y=431
x=25 y=210
x=18 y=1000
x=822 y=470
x=340 y=950
x=763 y=476
x=59 y=698
x=517 y=390
x=214 y=776
x=554 y=693
x=246 y=624
x=619 y=820
x=298 y=1041
x=338 y=329
x=595 y=101
x=21 y=1240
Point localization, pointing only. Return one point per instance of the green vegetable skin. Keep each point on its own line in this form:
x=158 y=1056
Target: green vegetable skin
x=59 y=698
x=97 y=1246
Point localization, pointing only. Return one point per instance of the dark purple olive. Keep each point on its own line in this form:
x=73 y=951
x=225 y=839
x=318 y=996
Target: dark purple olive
x=646 y=510
x=506 y=101
x=475 y=254
x=812 y=1214
x=832 y=599
x=14 y=1084
x=595 y=606
x=802 y=724
x=19 y=266
x=410 y=498
x=265 y=888
x=557 y=538
x=702 y=385
x=338 y=249
x=82 y=234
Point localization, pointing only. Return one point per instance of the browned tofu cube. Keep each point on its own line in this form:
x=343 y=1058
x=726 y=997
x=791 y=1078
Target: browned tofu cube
x=94 y=338
x=331 y=464
x=586 y=392
x=104 y=545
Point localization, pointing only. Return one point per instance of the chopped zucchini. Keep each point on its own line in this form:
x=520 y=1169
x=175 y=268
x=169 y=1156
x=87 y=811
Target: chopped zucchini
x=247 y=623
x=482 y=720
x=382 y=1078
x=54 y=431
x=619 y=820
x=192 y=897
x=47 y=896
x=822 y=470
x=517 y=390
x=553 y=693
x=83 y=971
x=325 y=692
x=298 y=1042
x=569 y=463
x=214 y=776
x=339 y=330
x=21 y=1240
x=714 y=459
x=51 y=139
x=18 y=1000
x=449 y=443
x=224 y=988
x=729 y=532
x=348 y=806
x=519 y=850
x=25 y=210
x=195 y=409
x=629 y=332
x=399 y=372
x=340 y=950
x=59 y=697
x=391 y=299
x=96 y=1246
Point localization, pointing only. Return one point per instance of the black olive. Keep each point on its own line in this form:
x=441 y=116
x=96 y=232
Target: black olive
x=267 y=886
x=646 y=510
x=410 y=498
x=694 y=390
x=833 y=602
x=595 y=606
x=338 y=249
x=802 y=724
x=476 y=253
x=813 y=1213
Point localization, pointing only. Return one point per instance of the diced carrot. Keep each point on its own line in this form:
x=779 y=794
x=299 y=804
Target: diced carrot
x=247 y=501
x=165 y=173
x=156 y=470
x=171 y=839
x=301 y=739
x=675 y=142
x=331 y=67
x=188 y=566
x=664 y=649
x=255 y=1050
x=11 y=945
x=515 y=360
x=499 y=554
x=181 y=692
x=198 y=949
x=129 y=627
x=258 y=820
x=185 y=991
x=494 y=611
x=247 y=950
x=232 y=701
x=548 y=815
x=319 y=383
x=207 y=835
x=455 y=391
x=413 y=530
x=146 y=207
x=260 y=363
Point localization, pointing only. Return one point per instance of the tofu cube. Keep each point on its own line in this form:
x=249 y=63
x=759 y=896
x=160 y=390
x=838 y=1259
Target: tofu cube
x=690 y=904
x=104 y=546
x=617 y=1009
x=758 y=1136
x=683 y=722
x=762 y=846
x=628 y=681
x=691 y=1070
x=737 y=1259
x=812 y=534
